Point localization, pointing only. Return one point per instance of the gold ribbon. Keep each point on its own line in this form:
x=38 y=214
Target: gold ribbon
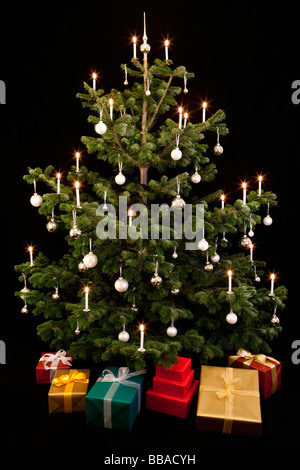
x=68 y=381
x=261 y=358
x=231 y=388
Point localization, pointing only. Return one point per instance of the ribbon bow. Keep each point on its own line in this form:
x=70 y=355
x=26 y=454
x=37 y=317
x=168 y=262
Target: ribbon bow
x=121 y=378
x=69 y=378
x=54 y=358
x=231 y=385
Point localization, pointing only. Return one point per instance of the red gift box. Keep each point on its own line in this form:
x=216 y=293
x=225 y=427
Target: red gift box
x=269 y=369
x=49 y=363
x=168 y=404
x=173 y=387
x=177 y=371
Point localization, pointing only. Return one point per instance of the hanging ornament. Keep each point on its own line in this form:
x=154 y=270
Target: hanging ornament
x=125 y=70
x=55 y=295
x=231 y=317
x=51 y=225
x=100 y=127
x=208 y=266
x=185 y=90
x=90 y=260
x=120 y=178
x=224 y=241
x=123 y=335
x=145 y=47
x=245 y=241
x=275 y=320
x=171 y=330
x=77 y=331
x=176 y=153
x=250 y=233
x=148 y=92
x=218 y=149
x=156 y=279
x=174 y=255
x=215 y=258
x=256 y=277
x=178 y=201
x=175 y=291
x=25 y=289
x=203 y=244
x=121 y=285
x=36 y=200
x=24 y=309
x=81 y=266
x=75 y=232
x=105 y=205
x=268 y=220
x=133 y=306
x=196 y=178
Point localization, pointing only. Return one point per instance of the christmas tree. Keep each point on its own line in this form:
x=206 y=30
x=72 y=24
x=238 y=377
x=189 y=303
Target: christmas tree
x=154 y=267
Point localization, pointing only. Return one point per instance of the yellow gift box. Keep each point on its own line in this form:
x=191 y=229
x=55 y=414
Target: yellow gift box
x=229 y=401
x=68 y=391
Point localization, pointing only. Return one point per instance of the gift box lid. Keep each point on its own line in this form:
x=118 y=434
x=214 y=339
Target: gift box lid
x=173 y=387
x=177 y=371
x=62 y=363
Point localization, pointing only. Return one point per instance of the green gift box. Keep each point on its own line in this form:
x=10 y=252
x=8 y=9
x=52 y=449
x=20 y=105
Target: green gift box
x=115 y=399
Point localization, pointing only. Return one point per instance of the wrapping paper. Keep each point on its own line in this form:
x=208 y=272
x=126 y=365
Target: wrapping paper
x=49 y=362
x=68 y=390
x=229 y=401
x=173 y=387
x=177 y=371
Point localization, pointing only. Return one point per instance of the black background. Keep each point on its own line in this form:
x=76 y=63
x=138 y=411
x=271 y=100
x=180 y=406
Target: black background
x=244 y=57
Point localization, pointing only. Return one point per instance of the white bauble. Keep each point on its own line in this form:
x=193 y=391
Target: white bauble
x=36 y=200
x=231 y=318
x=123 y=336
x=196 y=178
x=250 y=233
x=215 y=258
x=121 y=285
x=176 y=154
x=90 y=260
x=120 y=178
x=148 y=92
x=100 y=128
x=268 y=220
x=218 y=149
x=203 y=245
x=172 y=331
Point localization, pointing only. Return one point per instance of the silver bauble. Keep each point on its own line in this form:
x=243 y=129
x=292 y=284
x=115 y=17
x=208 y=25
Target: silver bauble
x=51 y=225
x=176 y=154
x=215 y=258
x=171 y=331
x=100 y=128
x=251 y=233
x=267 y=220
x=134 y=308
x=90 y=260
x=145 y=47
x=245 y=242
x=36 y=200
x=203 y=245
x=82 y=266
x=196 y=178
x=121 y=285
x=256 y=278
x=156 y=280
x=120 y=178
x=55 y=295
x=208 y=266
x=178 y=202
x=275 y=320
x=123 y=336
x=175 y=291
x=75 y=232
x=24 y=310
x=25 y=290
x=218 y=149
x=231 y=318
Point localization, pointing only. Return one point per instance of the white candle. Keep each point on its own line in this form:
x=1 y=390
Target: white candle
x=77 y=161
x=58 y=183
x=31 y=255
x=134 y=47
x=130 y=215
x=185 y=120
x=259 y=185
x=94 y=81
x=244 y=194
x=229 y=272
x=86 y=309
x=203 y=111
x=272 y=284
x=251 y=251
x=166 y=49
x=77 y=194
x=111 y=102
x=222 y=201
x=180 y=117
x=141 y=348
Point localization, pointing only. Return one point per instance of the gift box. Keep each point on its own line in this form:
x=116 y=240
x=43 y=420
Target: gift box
x=173 y=387
x=49 y=363
x=115 y=399
x=177 y=371
x=269 y=369
x=229 y=401
x=68 y=390
x=169 y=404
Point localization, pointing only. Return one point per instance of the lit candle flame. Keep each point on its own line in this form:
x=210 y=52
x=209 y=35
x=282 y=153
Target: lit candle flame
x=77 y=184
x=142 y=327
x=134 y=39
x=244 y=185
x=204 y=105
x=166 y=42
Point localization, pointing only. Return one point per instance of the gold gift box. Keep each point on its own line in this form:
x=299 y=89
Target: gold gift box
x=229 y=401
x=68 y=391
